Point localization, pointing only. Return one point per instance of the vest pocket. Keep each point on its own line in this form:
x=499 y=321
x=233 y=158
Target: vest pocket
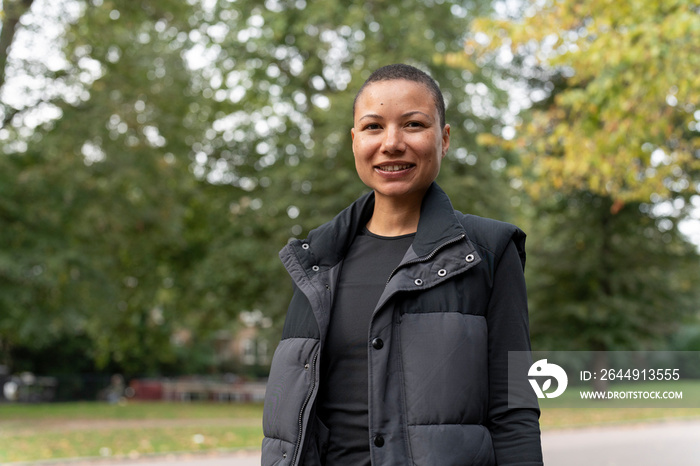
x=444 y=359
x=451 y=445
x=317 y=447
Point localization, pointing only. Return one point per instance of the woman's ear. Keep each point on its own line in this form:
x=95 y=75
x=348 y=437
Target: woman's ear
x=445 y=139
x=352 y=135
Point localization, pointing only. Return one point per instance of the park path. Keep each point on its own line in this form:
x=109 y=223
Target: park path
x=653 y=444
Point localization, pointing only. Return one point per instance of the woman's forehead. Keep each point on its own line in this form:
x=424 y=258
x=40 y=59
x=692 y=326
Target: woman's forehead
x=396 y=92
x=389 y=86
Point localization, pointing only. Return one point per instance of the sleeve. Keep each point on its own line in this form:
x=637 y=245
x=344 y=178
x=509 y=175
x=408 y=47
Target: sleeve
x=515 y=431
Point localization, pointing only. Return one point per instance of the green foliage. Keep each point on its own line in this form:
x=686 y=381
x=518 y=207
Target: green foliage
x=147 y=187
x=603 y=281
x=609 y=156
x=189 y=142
x=283 y=84
x=94 y=206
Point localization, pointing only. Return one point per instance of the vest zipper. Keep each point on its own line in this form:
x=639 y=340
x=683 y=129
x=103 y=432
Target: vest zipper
x=297 y=449
x=428 y=257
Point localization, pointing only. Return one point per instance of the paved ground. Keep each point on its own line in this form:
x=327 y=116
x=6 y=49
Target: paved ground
x=657 y=444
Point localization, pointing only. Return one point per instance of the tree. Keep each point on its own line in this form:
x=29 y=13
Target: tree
x=609 y=157
x=282 y=79
x=626 y=124
x=95 y=198
x=174 y=147
x=606 y=282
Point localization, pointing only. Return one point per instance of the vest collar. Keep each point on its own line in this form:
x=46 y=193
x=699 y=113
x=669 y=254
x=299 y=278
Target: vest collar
x=329 y=243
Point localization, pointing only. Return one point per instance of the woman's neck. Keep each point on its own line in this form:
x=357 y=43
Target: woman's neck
x=394 y=219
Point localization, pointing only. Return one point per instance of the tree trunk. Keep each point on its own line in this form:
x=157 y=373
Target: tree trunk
x=14 y=9
x=600 y=362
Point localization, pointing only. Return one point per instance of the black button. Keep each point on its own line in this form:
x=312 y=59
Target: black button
x=377 y=343
x=379 y=441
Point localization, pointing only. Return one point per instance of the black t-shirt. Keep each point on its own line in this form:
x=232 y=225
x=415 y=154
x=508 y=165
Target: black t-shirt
x=342 y=401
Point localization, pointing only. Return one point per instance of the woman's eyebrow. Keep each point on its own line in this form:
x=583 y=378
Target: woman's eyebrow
x=416 y=112
x=371 y=115
x=405 y=115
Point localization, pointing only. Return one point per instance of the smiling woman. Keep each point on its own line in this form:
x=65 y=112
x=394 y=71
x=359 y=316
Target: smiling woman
x=395 y=346
x=398 y=145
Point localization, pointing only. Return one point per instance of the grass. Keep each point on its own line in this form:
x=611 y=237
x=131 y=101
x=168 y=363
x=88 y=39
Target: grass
x=690 y=390
x=132 y=410
x=69 y=430
x=569 y=410
x=559 y=418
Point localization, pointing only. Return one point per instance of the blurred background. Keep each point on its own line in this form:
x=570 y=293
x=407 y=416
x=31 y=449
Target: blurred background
x=155 y=155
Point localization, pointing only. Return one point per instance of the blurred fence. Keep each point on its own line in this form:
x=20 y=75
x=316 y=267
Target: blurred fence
x=220 y=389
x=28 y=388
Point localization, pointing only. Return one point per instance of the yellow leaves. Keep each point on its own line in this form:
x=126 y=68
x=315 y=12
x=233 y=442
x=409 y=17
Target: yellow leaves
x=634 y=83
x=455 y=60
x=488 y=139
x=572 y=150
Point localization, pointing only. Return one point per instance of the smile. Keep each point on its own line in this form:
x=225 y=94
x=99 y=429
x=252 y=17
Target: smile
x=394 y=168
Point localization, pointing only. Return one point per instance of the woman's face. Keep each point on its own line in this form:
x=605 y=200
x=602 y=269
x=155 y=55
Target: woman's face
x=397 y=139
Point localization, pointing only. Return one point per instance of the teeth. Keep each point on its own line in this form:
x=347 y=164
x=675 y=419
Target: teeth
x=394 y=168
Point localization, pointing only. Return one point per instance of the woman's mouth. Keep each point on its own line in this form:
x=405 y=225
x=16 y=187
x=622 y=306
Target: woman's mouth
x=393 y=168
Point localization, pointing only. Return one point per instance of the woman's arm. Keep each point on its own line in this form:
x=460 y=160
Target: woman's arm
x=515 y=431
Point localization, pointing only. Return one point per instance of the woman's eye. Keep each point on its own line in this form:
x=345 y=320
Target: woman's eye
x=415 y=124
x=372 y=126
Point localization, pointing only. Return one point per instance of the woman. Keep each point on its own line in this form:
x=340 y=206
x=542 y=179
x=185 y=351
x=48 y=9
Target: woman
x=394 y=350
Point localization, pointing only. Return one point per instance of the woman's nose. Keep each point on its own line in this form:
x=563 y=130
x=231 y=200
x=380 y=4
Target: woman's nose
x=393 y=140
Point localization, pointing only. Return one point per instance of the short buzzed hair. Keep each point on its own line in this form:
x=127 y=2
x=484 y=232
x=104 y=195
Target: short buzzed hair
x=408 y=73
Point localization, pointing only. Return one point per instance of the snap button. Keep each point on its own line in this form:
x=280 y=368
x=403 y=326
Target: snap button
x=284 y=455
x=442 y=272
x=304 y=246
x=377 y=343
x=315 y=268
x=379 y=441
x=306 y=366
x=470 y=258
x=418 y=282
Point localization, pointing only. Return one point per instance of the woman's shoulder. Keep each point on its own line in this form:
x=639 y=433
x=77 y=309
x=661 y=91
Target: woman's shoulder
x=492 y=235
